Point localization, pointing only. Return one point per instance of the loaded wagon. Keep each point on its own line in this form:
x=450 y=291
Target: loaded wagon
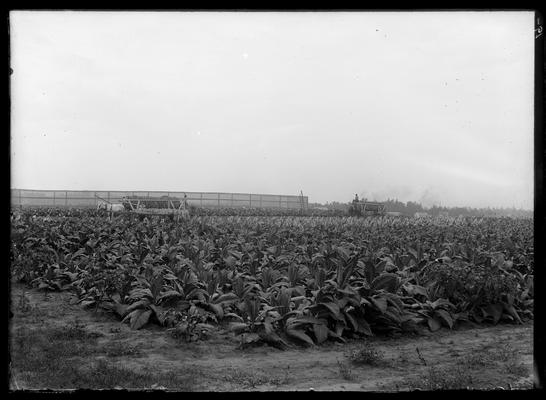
x=164 y=205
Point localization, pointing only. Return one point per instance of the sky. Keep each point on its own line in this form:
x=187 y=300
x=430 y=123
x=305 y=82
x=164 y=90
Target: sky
x=435 y=107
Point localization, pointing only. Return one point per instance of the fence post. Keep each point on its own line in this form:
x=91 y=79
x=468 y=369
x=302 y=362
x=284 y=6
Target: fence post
x=20 y=202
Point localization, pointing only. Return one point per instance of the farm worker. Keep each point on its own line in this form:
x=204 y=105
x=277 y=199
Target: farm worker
x=185 y=201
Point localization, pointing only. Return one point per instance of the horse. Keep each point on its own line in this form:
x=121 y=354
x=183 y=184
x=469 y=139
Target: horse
x=115 y=207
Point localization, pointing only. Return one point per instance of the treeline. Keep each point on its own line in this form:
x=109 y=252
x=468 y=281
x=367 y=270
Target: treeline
x=410 y=208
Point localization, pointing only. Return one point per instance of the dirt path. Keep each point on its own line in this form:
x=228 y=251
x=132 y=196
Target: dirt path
x=485 y=357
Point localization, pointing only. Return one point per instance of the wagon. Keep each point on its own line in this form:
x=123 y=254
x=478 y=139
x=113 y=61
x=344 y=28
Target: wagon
x=138 y=206
x=159 y=206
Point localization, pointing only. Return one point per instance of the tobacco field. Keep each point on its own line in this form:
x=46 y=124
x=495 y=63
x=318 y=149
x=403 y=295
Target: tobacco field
x=281 y=280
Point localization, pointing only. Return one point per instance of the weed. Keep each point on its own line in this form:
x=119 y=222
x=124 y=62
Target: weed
x=46 y=297
x=476 y=360
x=187 y=332
x=366 y=356
x=421 y=358
x=23 y=305
x=403 y=358
x=345 y=371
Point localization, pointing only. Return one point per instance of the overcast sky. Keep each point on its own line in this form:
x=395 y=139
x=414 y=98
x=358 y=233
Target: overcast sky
x=432 y=107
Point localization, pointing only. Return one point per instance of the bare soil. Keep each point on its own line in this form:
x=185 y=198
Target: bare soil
x=106 y=352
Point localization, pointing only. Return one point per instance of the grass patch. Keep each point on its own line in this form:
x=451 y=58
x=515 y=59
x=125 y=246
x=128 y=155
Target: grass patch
x=59 y=358
x=119 y=349
x=475 y=361
x=489 y=356
x=516 y=368
x=253 y=379
x=104 y=374
x=75 y=331
x=497 y=358
x=53 y=344
x=448 y=378
x=451 y=378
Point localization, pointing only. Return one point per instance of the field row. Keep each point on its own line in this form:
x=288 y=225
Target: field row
x=281 y=279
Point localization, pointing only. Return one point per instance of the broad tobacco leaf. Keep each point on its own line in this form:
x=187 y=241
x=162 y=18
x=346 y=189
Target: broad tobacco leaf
x=301 y=335
x=434 y=324
x=139 y=318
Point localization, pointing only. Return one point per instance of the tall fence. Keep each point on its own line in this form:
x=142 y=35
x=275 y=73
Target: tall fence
x=88 y=198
